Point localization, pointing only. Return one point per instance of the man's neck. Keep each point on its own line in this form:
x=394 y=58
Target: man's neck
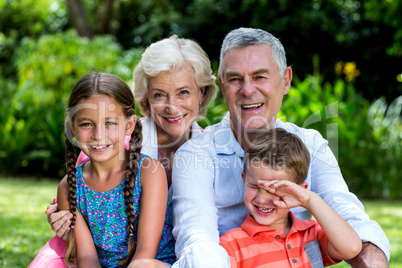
x=243 y=135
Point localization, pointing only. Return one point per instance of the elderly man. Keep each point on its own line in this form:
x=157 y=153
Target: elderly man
x=207 y=183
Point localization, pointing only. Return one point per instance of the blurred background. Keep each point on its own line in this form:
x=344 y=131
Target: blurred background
x=346 y=56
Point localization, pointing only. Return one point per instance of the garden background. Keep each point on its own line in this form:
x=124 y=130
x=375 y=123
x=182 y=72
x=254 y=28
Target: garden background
x=346 y=56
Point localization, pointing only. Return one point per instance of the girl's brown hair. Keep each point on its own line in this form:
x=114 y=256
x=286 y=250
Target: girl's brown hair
x=112 y=86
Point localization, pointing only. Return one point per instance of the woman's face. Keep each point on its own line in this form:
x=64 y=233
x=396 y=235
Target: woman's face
x=174 y=100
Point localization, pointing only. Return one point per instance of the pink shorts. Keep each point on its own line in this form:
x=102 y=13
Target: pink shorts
x=51 y=255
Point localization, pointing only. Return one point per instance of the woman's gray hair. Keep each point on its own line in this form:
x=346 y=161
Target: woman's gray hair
x=244 y=37
x=169 y=55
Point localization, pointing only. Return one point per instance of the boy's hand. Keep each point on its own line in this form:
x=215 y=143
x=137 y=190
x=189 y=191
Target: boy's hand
x=291 y=194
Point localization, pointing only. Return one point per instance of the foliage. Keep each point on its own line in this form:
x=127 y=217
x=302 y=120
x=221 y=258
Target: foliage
x=26 y=18
x=366 y=138
x=25 y=229
x=33 y=111
x=30 y=17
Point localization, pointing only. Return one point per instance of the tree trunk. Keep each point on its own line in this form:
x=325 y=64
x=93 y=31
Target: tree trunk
x=79 y=18
x=107 y=17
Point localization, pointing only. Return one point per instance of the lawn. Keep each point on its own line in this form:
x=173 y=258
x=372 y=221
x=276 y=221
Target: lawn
x=24 y=229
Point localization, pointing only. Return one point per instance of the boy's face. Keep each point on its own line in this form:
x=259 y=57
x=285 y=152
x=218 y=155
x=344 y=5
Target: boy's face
x=260 y=202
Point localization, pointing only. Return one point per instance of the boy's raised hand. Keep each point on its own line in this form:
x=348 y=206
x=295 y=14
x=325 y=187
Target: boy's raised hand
x=291 y=194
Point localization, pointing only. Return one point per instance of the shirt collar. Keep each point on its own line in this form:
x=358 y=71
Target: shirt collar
x=150 y=137
x=225 y=140
x=251 y=227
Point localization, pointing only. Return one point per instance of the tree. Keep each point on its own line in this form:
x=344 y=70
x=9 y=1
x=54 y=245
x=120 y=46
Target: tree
x=79 y=18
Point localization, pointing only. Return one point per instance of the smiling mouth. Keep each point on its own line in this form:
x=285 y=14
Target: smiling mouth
x=175 y=118
x=99 y=147
x=266 y=210
x=251 y=106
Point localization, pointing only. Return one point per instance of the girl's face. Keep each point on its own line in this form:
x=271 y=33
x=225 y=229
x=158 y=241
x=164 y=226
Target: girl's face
x=174 y=99
x=100 y=127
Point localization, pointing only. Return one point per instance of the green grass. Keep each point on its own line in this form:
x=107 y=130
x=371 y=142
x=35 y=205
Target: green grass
x=389 y=216
x=23 y=225
x=24 y=228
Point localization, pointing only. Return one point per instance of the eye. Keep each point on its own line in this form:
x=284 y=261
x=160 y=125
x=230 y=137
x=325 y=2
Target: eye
x=234 y=79
x=184 y=92
x=253 y=186
x=85 y=125
x=259 y=77
x=158 y=95
x=110 y=123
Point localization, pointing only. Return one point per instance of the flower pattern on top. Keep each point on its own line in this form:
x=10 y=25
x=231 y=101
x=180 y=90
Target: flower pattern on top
x=105 y=213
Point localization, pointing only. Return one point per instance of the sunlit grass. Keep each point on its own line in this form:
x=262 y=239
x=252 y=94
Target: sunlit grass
x=24 y=229
x=389 y=216
x=23 y=225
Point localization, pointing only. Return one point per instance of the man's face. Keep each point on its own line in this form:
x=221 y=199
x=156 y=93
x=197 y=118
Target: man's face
x=253 y=87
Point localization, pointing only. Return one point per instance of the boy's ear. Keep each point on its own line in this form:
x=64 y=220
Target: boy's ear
x=242 y=175
x=304 y=185
x=130 y=125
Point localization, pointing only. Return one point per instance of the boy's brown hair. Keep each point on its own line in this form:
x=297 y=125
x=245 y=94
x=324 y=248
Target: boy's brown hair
x=278 y=149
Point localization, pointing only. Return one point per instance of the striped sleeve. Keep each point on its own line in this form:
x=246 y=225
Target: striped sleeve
x=231 y=253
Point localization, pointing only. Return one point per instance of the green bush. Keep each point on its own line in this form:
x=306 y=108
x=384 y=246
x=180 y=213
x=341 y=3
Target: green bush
x=365 y=138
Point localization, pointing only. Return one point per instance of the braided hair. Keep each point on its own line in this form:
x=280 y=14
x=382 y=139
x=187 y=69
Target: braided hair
x=70 y=167
x=115 y=88
x=132 y=165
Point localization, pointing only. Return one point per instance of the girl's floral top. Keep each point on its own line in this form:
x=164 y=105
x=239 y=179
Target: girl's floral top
x=105 y=213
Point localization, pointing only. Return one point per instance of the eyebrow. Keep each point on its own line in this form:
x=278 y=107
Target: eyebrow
x=110 y=117
x=177 y=89
x=259 y=71
x=79 y=119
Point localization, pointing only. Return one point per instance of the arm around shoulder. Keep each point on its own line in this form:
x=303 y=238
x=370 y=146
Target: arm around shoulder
x=62 y=195
x=195 y=213
x=370 y=256
x=328 y=182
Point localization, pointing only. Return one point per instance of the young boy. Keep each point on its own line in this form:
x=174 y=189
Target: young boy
x=275 y=167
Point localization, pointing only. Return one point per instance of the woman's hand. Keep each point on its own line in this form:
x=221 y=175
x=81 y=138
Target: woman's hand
x=59 y=220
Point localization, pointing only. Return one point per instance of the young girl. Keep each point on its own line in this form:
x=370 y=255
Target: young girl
x=118 y=199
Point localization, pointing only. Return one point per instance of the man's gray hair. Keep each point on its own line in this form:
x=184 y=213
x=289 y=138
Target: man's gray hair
x=244 y=37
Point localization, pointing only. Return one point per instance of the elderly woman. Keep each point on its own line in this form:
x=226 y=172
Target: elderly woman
x=173 y=85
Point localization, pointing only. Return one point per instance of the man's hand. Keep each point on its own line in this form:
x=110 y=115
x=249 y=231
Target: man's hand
x=59 y=221
x=370 y=257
